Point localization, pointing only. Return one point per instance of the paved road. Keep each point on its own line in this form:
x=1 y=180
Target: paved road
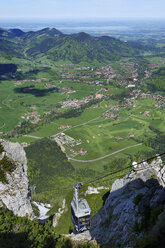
x=82 y=124
x=106 y=156
x=79 y=125
x=30 y=136
x=7 y=101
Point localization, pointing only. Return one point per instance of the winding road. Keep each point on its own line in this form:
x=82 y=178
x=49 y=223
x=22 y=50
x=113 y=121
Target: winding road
x=31 y=136
x=78 y=125
x=106 y=156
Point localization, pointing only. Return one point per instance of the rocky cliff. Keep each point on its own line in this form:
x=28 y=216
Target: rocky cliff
x=14 y=184
x=134 y=205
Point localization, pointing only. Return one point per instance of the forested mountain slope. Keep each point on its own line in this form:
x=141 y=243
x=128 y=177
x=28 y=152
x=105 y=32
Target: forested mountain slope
x=54 y=44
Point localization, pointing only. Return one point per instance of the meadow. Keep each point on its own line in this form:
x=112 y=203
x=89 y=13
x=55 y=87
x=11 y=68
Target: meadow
x=99 y=135
x=118 y=122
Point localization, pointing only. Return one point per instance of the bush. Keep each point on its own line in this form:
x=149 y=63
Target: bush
x=1 y=148
x=6 y=166
x=35 y=210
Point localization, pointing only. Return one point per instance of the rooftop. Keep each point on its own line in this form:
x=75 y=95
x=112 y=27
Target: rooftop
x=83 y=208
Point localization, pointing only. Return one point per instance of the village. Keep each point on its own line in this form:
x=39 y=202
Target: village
x=126 y=75
x=65 y=141
x=103 y=86
x=33 y=117
x=101 y=74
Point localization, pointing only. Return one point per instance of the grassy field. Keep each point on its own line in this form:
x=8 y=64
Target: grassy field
x=129 y=124
x=99 y=136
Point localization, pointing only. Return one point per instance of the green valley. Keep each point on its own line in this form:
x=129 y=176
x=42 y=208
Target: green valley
x=82 y=107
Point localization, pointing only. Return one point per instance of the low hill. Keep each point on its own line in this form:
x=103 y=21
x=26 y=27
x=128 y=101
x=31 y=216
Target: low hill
x=49 y=31
x=57 y=46
x=79 y=47
x=11 y=33
x=15 y=32
x=9 y=48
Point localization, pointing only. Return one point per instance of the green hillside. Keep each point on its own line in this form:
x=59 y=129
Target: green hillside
x=9 y=48
x=57 y=46
x=79 y=47
x=47 y=164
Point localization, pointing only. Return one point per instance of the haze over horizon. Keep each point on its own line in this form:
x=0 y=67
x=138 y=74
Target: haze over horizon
x=82 y=9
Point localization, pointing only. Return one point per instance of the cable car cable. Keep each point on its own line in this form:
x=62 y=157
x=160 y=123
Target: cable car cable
x=105 y=175
x=112 y=173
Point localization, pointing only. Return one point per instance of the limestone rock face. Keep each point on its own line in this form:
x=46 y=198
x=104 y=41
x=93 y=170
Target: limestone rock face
x=115 y=221
x=93 y=190
x=15 y=194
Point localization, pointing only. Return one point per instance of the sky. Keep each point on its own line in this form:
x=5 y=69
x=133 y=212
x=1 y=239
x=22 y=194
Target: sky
x=82 y=9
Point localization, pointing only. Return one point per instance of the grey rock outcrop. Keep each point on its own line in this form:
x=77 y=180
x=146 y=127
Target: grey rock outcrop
x=15 y=194
x=82 y=237
x=79 y=236
x=115 y=221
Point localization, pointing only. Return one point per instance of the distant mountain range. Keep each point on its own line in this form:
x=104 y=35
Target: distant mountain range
x=55 y=45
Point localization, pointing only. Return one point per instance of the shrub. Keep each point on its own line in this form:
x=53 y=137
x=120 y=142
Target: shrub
x=35 y=210
x=6 y=166
x=1 y=148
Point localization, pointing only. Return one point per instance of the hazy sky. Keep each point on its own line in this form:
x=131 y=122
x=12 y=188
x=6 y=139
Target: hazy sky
x=55 y=9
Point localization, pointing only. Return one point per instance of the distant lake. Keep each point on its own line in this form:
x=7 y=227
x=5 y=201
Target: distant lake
x=94 y=27
x=66 y=27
